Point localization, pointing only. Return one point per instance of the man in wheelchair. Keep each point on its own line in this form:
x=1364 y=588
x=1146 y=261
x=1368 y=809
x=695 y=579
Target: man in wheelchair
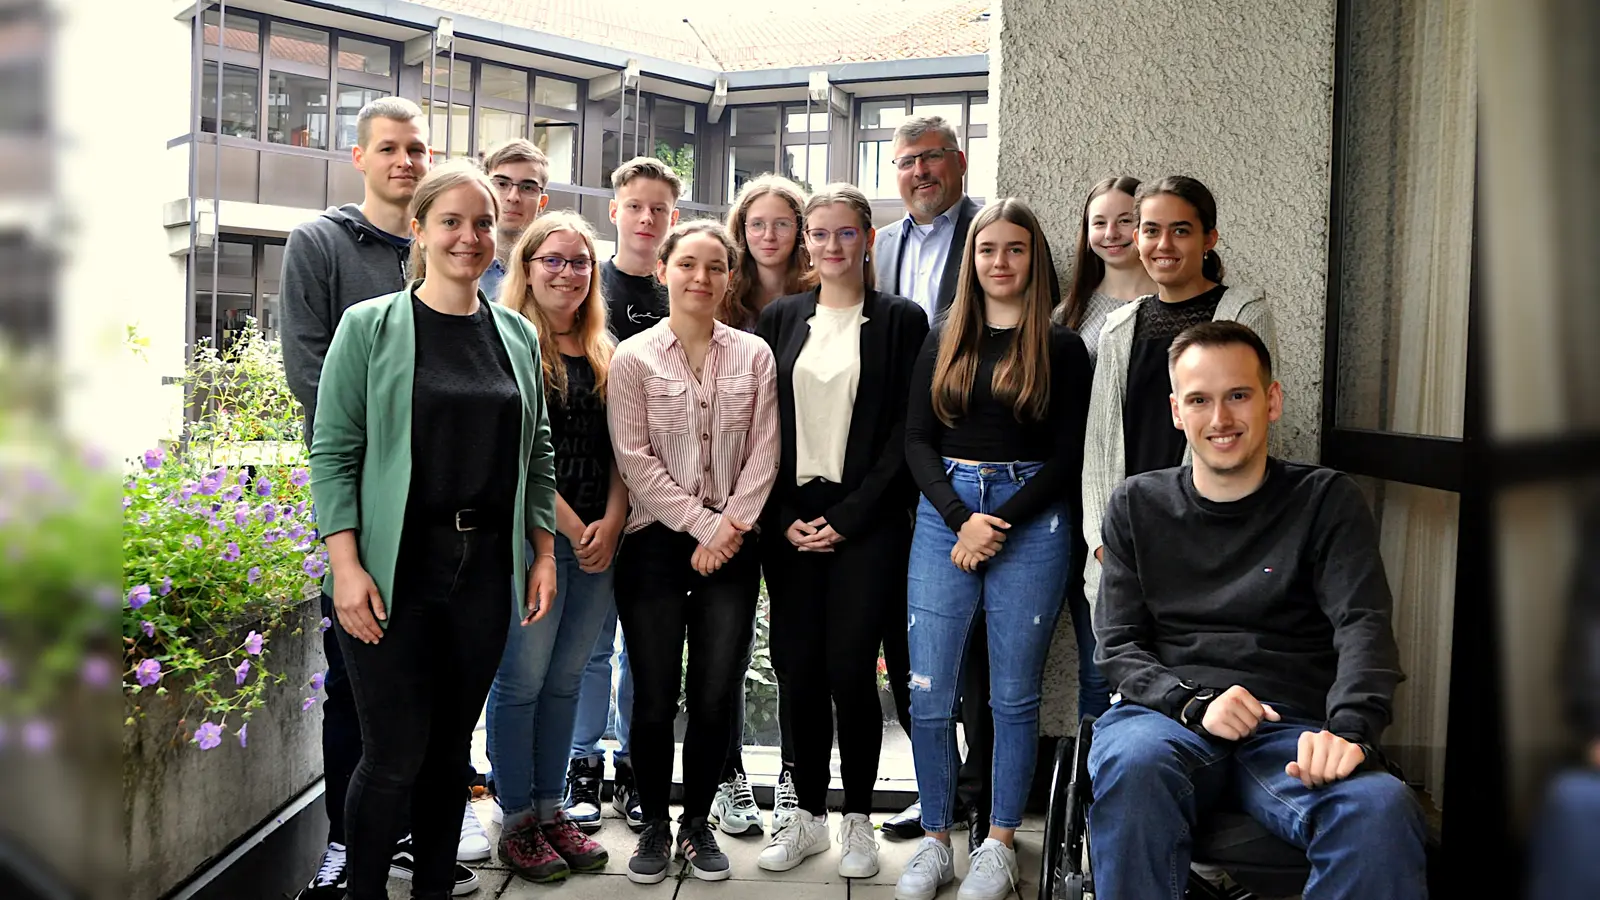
x=1244 y=619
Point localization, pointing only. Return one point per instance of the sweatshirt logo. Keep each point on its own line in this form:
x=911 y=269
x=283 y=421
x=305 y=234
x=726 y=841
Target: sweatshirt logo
x=639 y=318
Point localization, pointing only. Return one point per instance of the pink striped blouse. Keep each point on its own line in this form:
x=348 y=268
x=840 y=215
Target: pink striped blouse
x=691 y=451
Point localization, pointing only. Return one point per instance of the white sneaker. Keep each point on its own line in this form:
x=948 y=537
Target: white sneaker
x=860 y=843
x=785 y=802
x=734 y=810
x=933 y=866
x=804 y=836
x=991 y=873
x=474 y=845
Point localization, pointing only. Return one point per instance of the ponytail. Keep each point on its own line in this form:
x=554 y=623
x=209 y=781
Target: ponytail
x=1211 y=267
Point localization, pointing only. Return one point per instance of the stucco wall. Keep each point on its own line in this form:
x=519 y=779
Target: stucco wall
x=1237 y=93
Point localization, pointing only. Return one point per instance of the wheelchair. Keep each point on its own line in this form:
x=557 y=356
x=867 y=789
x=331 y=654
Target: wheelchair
x=1257 y=864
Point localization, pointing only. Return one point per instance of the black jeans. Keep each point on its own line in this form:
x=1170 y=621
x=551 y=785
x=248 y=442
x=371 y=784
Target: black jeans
x=660 y=600
x=828 y=613
x=341 y=730
x=418 y=693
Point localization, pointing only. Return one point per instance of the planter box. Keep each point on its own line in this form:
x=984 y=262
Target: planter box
x=183 y=806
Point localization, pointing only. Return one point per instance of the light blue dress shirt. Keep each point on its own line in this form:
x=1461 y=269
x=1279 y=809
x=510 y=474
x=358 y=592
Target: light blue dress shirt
x=489 y=281
x=923 y=257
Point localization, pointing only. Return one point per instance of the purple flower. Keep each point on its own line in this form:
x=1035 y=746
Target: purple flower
x=317 y=680
x=241 y=673
x=300 y=508
x=271 y=535
x=313 y=566
x=211 y=483
x=216 y=523
x=148 y=627
x=241 y=515
x=243 y=730
x=187 y=491
x=254 y=575
x=324 y=625
x=96 y=671
x=139 y=596
x=126 y=502
x=253 y=642
x=144 y=518
x=263 y=487
x=244 y=477
x=192 y=541
x=308 y=703
x=148 y=672
x=300 y=477
x=297 y=532
x=231 y=552
x=166 y=585
x=153 y=458
x=233 y=493
x=269 y=513
x=37 y=735
x=208 y=735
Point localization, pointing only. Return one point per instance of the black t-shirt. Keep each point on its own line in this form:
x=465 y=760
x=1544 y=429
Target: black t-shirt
x=466 y=417
x=990 y=431
x=1150 y=441
x=635 y=303
x=582 y=442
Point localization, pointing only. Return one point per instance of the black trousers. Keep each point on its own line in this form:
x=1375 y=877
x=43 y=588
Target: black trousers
x=828 y=612
x=418 y=693
x=662 y=601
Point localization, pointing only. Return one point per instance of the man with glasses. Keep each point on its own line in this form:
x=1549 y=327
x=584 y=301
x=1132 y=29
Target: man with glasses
x=920 y=257
x=520 y=172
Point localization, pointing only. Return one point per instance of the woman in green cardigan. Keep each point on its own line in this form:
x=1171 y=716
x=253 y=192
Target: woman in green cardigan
x=432 y=470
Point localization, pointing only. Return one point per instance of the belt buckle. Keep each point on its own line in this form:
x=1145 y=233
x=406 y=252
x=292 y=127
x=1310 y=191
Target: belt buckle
x=459 y=526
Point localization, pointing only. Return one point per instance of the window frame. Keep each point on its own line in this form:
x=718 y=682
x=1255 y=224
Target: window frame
x=966 y=132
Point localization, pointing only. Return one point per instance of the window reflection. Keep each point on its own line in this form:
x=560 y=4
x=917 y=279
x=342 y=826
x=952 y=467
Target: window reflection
x=239 y=86
x=297 y=110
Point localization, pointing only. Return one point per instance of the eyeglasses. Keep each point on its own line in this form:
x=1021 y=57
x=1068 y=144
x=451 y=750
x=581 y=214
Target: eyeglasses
x=929 y=157
x=819 y=236
x=554 y=264
x=781 y=227
x=529 y=188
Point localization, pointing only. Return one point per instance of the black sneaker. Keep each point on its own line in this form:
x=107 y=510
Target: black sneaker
x=583 y=793
x=698 y=847
x=649 y=862
x=329 y=882
x=403 y=865
x=905 y=825
x=625 y=797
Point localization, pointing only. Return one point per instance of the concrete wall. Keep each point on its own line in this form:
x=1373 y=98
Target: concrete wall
x=1237 y=93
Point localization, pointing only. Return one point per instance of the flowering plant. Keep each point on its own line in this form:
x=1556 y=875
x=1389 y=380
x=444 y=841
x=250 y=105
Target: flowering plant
x=212 y=548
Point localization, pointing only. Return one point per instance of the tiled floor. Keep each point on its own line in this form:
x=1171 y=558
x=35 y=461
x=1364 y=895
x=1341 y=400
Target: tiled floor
x=816 y=879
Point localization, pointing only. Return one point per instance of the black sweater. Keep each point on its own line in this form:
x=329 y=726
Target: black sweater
x=1282 y=592
x=875 y=476
x=634 y=302
x=990 y=431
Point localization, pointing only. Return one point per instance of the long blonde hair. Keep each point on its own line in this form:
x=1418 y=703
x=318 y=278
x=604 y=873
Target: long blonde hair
x=846 y=194
x=739 y=308
x=588 y=322
x=1022 y=376
x=435 y=184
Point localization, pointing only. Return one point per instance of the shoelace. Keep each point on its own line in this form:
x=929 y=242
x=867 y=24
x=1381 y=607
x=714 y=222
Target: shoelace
x=701 y=843
x=930 y=859
x=743 y=796
x=985 y=861
x=566 y=829
x=785 y=799
x=470 y=826
x=856 y=837
x=528 y=841
x=789 y=835
x=656 y=839
x=583 y=789
x=332 y=866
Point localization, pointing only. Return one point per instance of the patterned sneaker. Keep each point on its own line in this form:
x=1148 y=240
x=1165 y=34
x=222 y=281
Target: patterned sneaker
x=582 y=853
x=697 y=846
x=785 y=802
x=527 y=853
x=789 y=847
x=860 y=843
x=583 y=793
x=650 y=858
x=734 y=809
x=625 y=797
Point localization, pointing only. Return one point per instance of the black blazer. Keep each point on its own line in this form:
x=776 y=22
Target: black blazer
x=875 y=472
x=891 y=242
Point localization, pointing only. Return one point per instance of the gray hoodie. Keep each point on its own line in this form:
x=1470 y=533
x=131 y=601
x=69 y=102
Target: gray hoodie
x=330 y=264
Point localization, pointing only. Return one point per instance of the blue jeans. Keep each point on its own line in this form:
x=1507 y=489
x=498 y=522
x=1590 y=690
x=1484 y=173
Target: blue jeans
x=1094 y=691
x=533 y=705
x=1020 y=591
x=1153 y=779
x=598 y=711
x=1563 y=864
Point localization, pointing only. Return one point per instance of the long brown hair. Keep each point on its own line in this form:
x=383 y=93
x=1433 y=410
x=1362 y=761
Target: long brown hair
x=588 y=323
x=1088 y=269
x=1022 y=376
x=435 y=184
x=1198 y=196
x=739 y=309
x=847 y=195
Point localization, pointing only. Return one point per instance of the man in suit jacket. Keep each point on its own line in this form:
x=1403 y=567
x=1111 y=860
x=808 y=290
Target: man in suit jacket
x=920 y=256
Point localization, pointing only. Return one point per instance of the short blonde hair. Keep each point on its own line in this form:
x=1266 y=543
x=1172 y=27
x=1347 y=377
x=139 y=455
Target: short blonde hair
x=433 y=185
x=647 y=167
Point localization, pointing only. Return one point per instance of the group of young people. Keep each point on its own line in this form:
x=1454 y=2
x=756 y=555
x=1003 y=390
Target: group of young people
x=909 y=434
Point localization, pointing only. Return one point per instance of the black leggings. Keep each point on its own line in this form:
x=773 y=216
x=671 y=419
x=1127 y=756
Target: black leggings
x=828 y=613
x=418 y=693
x=660 y=600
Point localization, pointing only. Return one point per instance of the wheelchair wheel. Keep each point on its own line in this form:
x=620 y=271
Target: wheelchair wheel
x=1055 y=825
x=1063 y=874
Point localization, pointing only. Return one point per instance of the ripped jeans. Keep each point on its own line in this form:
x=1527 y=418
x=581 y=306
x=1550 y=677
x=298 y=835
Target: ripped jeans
x=1020 y=591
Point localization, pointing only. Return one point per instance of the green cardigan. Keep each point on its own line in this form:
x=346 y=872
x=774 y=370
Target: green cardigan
x=361 y=449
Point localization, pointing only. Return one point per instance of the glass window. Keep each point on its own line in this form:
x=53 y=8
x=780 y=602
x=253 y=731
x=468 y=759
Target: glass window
x=555 y=92
x=351 y=99
x=271 y=276
x=497 y=125
x=677 y=151
x=294 y=44
x=235 y=288
x=980 y=167
x=239 y=86
x=365 y=56
x=243 y=32
x=745 y=163
x=674 y=116
x=440 y=73
x=794 y=120
x=882 y=113
x=453 y=135
x=503 y=84
x=947 y=108
x=751 y=121
x=297 y=110
x=875 y=172
x=979 y=111
x=794 y=164
x=559 y=141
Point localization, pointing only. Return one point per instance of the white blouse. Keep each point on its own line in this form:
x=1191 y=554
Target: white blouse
x=825 y=378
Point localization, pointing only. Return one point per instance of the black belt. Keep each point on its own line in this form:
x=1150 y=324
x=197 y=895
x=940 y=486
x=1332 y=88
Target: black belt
x=468 y=520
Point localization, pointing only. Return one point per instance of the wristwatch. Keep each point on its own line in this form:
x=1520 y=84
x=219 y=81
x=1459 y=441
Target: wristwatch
x=1195 y=709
